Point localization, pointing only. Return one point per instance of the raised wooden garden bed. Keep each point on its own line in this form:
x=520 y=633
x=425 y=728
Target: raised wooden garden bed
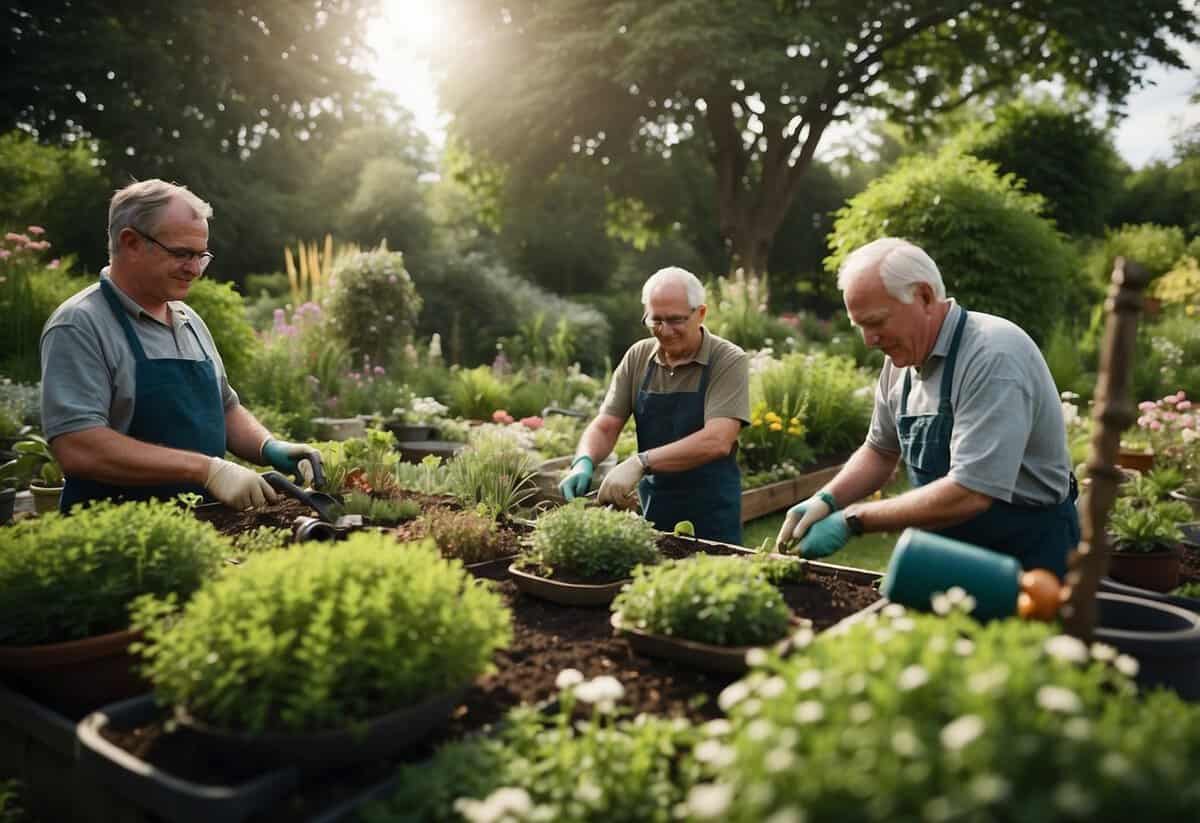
x=776 y=496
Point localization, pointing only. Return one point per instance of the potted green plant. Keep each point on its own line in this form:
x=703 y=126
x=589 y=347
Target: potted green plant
x=1145 y=542
x=67 y=585
x=582 y=555
x=704 y=611
x=35 y=465
x=472 y=537
x=319 y=657
x=417 y=420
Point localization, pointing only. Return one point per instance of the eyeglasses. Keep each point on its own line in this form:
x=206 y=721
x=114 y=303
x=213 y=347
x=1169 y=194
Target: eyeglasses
x=179 y=254
x=674 y=321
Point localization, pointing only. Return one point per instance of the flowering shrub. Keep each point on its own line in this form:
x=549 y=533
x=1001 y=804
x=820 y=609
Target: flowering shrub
x=550 y=768
x=592 y=542
x=722 y=600
x=940 y=718
x=314 y=638
x=373 y=303
x=1170 y=425
x=773 y=438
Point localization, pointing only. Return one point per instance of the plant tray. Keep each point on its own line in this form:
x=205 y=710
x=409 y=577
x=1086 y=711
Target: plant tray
x=495 y=569
x=566 y=594
x=707 y=657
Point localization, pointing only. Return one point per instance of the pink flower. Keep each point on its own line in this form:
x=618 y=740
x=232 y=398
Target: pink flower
x=378 y=370
x=1147 y=405
x=4 y=253
x=53 y=264
x=1183 y=405
x=534 y=422
x=393 y=279
x=501 y=416
x=1155 y=426
x=36 y=230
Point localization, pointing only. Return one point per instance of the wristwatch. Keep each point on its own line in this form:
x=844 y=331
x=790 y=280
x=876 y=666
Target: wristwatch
x=644 y=459
x=854 y=525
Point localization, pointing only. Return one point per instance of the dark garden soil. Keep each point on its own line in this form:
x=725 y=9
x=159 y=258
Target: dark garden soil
x=547 y=638
x=1189 y=566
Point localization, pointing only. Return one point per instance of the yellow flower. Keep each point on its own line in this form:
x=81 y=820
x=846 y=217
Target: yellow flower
x=772 y=417
x=776 y=427
x=757 y=421
x=795 y=421
x=795 y=430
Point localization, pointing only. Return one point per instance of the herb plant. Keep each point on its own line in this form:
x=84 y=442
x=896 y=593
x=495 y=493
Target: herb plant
x=495 y=472
x=379 y=511
x=321 y=638
x=430 y=476
x=1188 y=590
x=261 y=539
x=547 y=767
x=723 y=600
x=1140 y=526
x=67 y=578
x=592 y=542
x=941 y=718
x=471 y=537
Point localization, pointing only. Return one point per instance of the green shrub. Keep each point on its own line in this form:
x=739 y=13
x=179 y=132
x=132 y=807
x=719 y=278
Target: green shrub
x=738 y=311
x=1188 y=590
x=476 y=393
x=546 y=767
x=926 y=718
x=589 y=541
x=469 y=536
x=430 y=476
x=494 y=472
x=261 y=539
x=381 y=512
x=66 y=578
x=373 y=303
x=1157 y=248
x=319 y=637
x=988 y=238
x=722 y=600
x=222 y=310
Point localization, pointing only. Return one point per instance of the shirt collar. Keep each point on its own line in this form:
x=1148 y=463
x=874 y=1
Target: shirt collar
x=701 y=356
x=132 y=305
x=941 y=346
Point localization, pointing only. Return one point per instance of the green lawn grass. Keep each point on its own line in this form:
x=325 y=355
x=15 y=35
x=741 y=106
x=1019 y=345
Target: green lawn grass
x=871 y=551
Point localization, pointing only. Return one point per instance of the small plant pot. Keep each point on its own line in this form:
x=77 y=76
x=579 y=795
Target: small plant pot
x=707 y=657
x=78 y=676
x=338 y=428
x=1164 y=639
x=1142 y=461
x=412 y=432
x=317 y=752
x=8 y=500
x=45 y=498
x=1157 y=571
x=1194 y=502
x=566 y=594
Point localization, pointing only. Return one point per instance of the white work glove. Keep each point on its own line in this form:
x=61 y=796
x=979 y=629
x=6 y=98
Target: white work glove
x=236 y=486
x=801 y=517
x=620 y=483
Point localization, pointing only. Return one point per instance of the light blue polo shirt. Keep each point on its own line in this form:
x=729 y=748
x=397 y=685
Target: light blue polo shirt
x=88 y=367
x=1009 y=439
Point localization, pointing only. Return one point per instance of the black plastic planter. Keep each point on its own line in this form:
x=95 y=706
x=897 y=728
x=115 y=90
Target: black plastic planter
x=1107 y=584
x=8 y=499
x=37 y=746
x=1164 y=639
x=143 y=792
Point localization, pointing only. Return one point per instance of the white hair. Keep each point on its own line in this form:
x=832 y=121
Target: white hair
x=140 y=205
x=674 y=274
x=902 y=267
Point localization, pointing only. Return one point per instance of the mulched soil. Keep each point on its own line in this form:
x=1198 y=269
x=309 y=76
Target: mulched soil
x=1189 y=566
x=547 y=638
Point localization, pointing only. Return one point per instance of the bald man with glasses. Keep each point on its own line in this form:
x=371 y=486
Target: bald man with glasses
x=689 y=393
x=135 y=400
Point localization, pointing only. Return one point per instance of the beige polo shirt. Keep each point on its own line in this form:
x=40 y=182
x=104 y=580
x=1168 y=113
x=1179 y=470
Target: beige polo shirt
x=728 y=381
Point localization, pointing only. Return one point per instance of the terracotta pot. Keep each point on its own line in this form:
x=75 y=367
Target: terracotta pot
x=1140 y=460
x=1157 y=571
x=78 y=676
x=45 y=498
x=1194 y=502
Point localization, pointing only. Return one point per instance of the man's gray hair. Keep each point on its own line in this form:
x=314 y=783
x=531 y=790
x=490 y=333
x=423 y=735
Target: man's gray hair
x=139 y=206
x=902 y=267
x=674 y=274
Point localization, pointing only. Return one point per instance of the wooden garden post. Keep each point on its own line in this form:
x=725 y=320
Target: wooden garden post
x=1113 y=412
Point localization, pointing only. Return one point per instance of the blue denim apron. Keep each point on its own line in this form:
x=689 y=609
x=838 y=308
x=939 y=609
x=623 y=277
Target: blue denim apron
x=710 y=495
x=1037 y=536
x=177 y=403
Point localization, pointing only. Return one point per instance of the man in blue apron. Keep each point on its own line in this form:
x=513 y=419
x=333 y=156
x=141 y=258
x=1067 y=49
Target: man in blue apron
x=688 y=391
x=135 y=402
x=966 y=400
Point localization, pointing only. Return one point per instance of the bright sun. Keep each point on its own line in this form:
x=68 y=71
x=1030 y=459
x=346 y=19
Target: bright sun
x=402 y=31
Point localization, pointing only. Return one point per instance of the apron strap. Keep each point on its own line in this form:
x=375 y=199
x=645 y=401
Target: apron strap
x=944 y=405
x=114 y=303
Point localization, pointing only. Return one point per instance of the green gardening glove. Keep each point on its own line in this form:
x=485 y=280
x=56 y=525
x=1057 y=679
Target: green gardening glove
x=802 y=516
x=301 y=461
x=577 y=483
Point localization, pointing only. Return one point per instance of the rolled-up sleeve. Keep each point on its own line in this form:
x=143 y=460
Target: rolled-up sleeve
x=882 y=435
x=77 y=388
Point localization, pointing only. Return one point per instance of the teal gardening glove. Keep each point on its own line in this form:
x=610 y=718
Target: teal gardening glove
x=826 y=536
x=802 y=516
x=301 y=461
x=577 y=483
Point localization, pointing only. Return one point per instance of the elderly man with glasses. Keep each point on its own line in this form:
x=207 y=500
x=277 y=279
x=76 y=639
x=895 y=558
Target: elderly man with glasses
x=689 y=393
x=135 y=401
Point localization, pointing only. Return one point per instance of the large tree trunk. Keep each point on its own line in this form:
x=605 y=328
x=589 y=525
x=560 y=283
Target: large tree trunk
x=749 y=250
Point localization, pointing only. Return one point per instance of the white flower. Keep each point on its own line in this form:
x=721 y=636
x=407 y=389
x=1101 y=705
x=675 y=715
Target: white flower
x=1116 y=765
x=988 y=680
x=772 y=687
x=500 y=804
x=1103 y=652
x=988 y=788
x=733 y=694
x=802 y=637
x=589 y=792
x=779 y=760
x=1058 y=699
x=756 y=657
x=861 y=712
x=856 y=683
x=1126 y=665
x=941 y=604
x=1071 y=799
x=718 y=728
x=905 y=743
x=1067 y=648
x=715 y=753
x=759 y=730
x=568 y=678
x=809 y=711
x=808 y=679
x=961 y=732
x=913 y=677
x=788 y=814
x=956 y=595
x=601 y=690
x=904 y=624
x=893 y=610
x=1078 y=728
x=709 y=801
x=963 y=647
